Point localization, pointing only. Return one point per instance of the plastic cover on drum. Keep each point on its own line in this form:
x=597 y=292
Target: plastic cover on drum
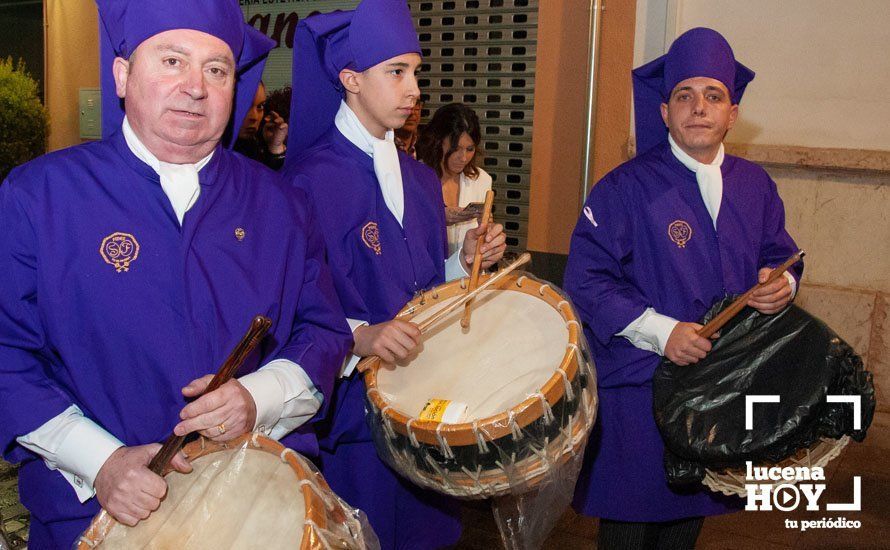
x=524 y=373
x=249 y=493
x=700 y=409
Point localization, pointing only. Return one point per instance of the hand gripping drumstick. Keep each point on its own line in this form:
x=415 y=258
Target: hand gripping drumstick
x=477 y=258
x=439 y=315
x=739 y=304
x=258 y=328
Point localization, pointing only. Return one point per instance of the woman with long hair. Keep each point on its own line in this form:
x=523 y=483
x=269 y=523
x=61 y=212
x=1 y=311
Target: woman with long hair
x=449 y=144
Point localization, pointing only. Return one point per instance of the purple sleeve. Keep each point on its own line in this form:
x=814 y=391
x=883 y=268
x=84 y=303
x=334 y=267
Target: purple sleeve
x=28 y=396
x=595 y=277
x=777 y=245
x=320 y=338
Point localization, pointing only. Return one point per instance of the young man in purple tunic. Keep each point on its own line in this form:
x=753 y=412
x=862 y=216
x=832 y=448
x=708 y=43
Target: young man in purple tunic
x=381 y=212
x=661 y=239
x=134 y=265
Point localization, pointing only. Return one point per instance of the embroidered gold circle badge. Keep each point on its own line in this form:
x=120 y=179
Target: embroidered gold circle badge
x=239 y=233
x=680 y=232
x=119 y=250
x=371 y=237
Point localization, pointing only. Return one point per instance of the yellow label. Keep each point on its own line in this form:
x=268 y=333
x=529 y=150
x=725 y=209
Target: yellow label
x=434 y=409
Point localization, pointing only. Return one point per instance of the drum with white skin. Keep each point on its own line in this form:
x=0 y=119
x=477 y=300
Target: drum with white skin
x=492 y=410
x=250 y=492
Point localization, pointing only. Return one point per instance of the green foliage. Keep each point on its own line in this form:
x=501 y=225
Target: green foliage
x=24 y=122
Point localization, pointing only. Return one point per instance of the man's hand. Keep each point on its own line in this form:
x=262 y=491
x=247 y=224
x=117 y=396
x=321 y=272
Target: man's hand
x=493 y=246
x=685 y=346
x=275 y=133
x=391 y=341
x=127 y=489
x=773 y=297
x=221 y=415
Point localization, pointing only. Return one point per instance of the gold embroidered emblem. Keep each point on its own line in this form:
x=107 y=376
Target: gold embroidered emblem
x=680 y=232
x=239 y=233
x=371 y=237
x=119 y=250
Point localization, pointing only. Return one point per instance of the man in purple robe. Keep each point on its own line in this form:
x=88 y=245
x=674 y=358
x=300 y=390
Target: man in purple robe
x=133 y=267
x=662 y=238
x=381 y=212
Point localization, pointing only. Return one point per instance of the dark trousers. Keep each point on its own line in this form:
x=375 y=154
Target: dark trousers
x=670 y=535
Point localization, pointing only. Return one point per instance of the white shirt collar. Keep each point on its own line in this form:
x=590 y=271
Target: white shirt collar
x=690 y=162
x=708 y=176
x=352 y=129
x=179 y=181
x=384 y=154
x=146 y=156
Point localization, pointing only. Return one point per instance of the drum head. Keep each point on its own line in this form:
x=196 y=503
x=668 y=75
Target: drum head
x=514 y=346
x=237 y=498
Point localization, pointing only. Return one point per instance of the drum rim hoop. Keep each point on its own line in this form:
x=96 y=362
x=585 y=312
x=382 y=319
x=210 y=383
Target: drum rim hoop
x=315 y=506
x=495 y=426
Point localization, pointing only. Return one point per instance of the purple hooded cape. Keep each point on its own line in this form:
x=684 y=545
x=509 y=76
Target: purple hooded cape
x=377 y=264
x=78 y=328
x=645 y=240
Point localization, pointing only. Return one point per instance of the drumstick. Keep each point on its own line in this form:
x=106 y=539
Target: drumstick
x=477 y=258
x=258 y=328
x=739 y=304
x=436 y=317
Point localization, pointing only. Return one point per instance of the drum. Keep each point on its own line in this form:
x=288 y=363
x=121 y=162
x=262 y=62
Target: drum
x=701 y=410
x=520 y=378
x=250 y=492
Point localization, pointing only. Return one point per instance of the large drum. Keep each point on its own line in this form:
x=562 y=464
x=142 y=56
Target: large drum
x=251 y=492
x=791 y=356
x=512 y=399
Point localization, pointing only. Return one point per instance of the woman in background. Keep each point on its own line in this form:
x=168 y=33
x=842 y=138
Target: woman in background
x=449 y=145
x=263 y=135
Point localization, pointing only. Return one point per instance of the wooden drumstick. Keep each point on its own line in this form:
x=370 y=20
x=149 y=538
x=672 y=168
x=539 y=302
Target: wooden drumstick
x=258 y=328
x=439 y=315
x=477 y=259
x=739 y=303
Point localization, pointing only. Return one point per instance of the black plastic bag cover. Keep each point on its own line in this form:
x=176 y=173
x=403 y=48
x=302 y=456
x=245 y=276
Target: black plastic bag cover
x=700 y=409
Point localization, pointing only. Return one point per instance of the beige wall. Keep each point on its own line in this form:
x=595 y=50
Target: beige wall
x=72 y=62
x=822 y=68
x=842 y=221
x=561 y=107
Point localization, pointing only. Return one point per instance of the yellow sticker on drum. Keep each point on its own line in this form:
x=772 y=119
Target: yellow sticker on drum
x=444 y=410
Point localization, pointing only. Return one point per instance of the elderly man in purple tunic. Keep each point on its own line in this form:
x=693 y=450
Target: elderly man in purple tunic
x=133 y=266
x=353 y=83
x=660 y=239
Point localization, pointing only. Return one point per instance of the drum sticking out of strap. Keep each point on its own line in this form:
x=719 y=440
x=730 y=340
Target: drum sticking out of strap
x=775 y=390
x=251 y=492
x=495 y=410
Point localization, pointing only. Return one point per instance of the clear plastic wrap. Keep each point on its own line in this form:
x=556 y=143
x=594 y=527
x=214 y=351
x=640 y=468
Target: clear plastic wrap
x=524 y=387
x=251 y=492
x=700 y=410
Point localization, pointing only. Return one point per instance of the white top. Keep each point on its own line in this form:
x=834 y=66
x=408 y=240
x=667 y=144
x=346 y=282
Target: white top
x=284 y=395
x=469 y=190
x=651 y=330
x=389 y=177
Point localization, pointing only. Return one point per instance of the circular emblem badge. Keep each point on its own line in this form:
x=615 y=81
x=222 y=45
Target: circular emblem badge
x=119 y=250
x=680 y=232
x=371 y=237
